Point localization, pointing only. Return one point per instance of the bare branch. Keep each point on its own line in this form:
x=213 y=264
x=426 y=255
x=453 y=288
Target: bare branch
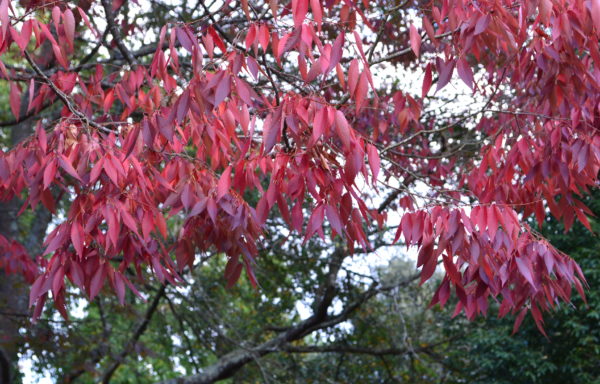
x=140 y=329
x=114 y=31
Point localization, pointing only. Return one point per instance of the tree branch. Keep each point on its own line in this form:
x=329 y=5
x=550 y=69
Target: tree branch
x=141 y=328
x=114 y=31
x=230 y=363
x=64 y=98
x=345 y=349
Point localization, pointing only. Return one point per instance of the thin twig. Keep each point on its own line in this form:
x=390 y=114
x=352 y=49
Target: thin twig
x=64 y=98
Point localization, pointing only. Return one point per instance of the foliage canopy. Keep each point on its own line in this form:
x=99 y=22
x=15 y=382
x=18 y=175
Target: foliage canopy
x=149 y=137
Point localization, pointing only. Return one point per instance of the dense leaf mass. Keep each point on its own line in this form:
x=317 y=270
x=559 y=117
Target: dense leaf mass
x=157 y=161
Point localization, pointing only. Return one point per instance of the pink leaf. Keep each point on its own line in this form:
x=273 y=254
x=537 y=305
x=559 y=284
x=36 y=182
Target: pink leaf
x=374 y=161
x=224 y=183
x=299 y=10
x=415 y=40
x=465 y=72
x=334 y=219
x=336 y=51
x=77 y=237
x=361 y=91
x=67 y=167
x=427 y=80
x=445 y=69
x=596 y=14
x=525 y=268
x=15 y=100
x=97 y=282
x=272 y=130
x=69 y=22
x=317 y=11
x=343 y=131
x=86 y=20
x=315 y=222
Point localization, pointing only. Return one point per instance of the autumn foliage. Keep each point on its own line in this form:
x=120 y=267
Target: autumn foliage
x=162 y=159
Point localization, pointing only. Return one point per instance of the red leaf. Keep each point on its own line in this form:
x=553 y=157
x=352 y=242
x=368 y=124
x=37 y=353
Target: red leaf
x=465 y=72
x=185 y=38
x=263 y=36
x=315 y=222
x=95 y=173
x=183 y=104
x=427 y=79
x=50 y=173
x=482 y=24
x=596 y=14
x=428 y=269
x=86 y=20
x=224 y=183
x=546 y=10
x=76 y=275
x=4 y=18
x=110 y=170
x=334 y=219
x=129 y=221
x=211 y=207
x=525 y=268
x=233 y=271
x=42 y=139
x=250 y=36
x=36 y=288
x=69 y=22
x=77 y=237
x=120 y=287
x=299 y=10
x=537 y=316
x=451 y=270
x=374 y=161
x=425 y=253
x=319 y=124
x=297 y=217
x=353 y=76
x=15 y=100
x=223 y=89
x=97 y=282
x=17 y=38
x=415 y=40
x=67 y=167
x=342 y=129
x=519 y=320
x=317 y=11
x=161 y=224
x=336 y=51
x=272 y=130
x=582 y=157
x=361 y=91
x=113 y=227
x=445 y=69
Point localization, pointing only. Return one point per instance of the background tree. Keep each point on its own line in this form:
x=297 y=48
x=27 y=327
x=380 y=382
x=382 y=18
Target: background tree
x=163 y=139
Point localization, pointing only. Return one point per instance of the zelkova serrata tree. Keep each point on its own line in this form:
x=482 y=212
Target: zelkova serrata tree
x=148 y=154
